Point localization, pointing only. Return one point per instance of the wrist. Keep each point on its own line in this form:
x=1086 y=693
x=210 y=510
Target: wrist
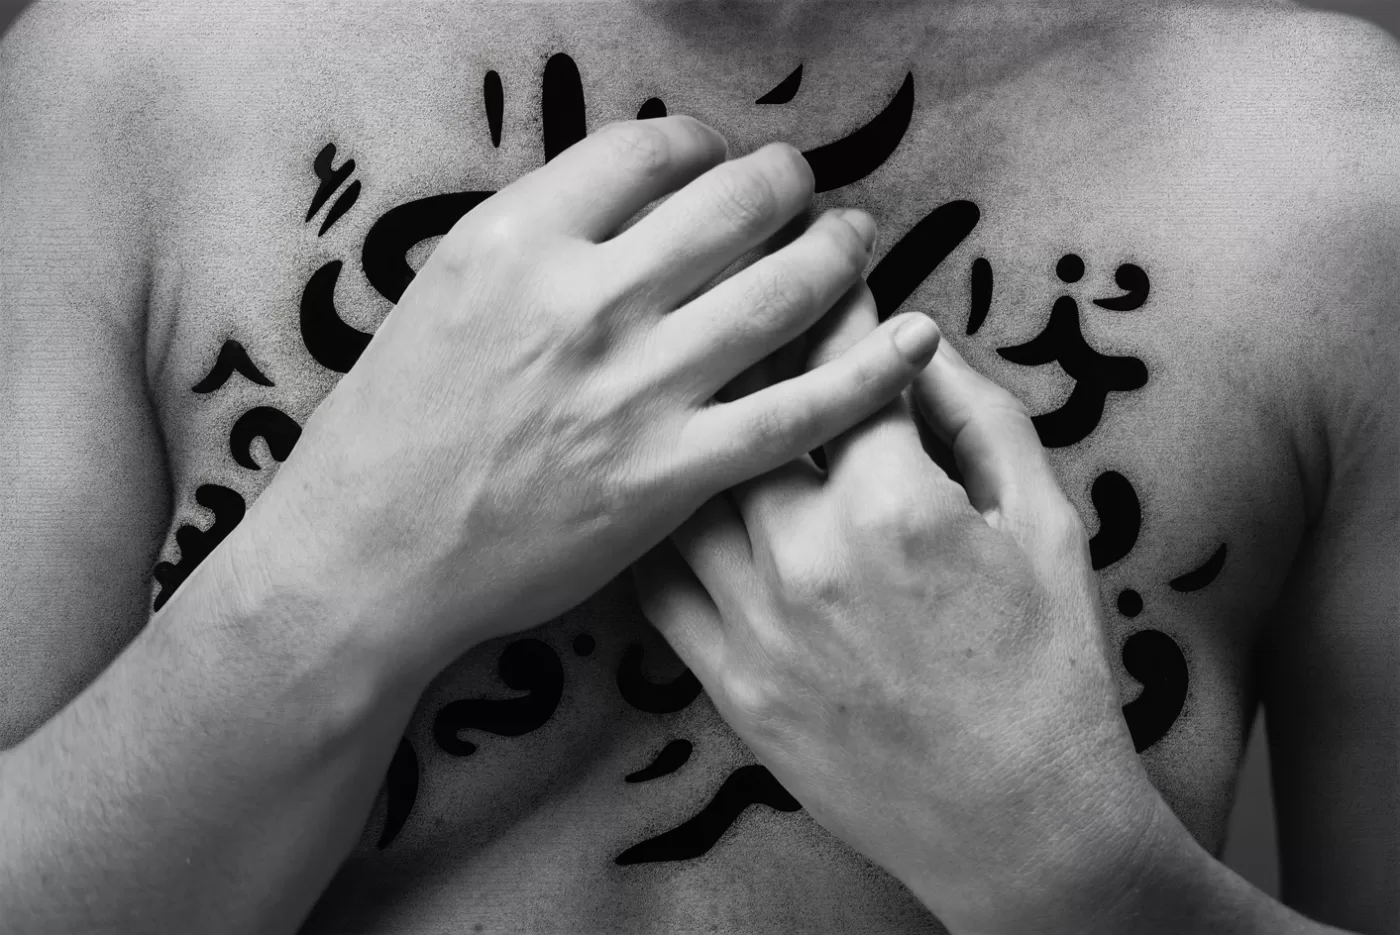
x=1071 y=863
x=281 y=625
x=1158 y=881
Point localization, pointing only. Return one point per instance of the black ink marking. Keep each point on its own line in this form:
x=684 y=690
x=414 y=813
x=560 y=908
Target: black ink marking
x=232 y=359
x=1200 y=577
x=584 y=645
x=1120 y=519
x=385 y=253
x=981 y=294
x=853 y=157
x=1070 y=268
x=342 y=204
x=526 y=666
x=1154 y=659
x=919 y=252
x=562 y=105
x=1129 y=603
x=652 y=108
x=1133 y=280
x=671 y=758
x=785 y=90
x=495 y=96
x=275 y=426
x=1096 y=374
x=331 y=178
x=331 y=342
x=401 y=791
x=195 y=544
x=748 y=785
x=653 y=697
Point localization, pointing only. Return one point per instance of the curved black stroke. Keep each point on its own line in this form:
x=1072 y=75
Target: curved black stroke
x=853 y=157
x=919 y=252
x=232 y=359
x=400 y=792
x=1133 y=280
x=671 y=758
x=653 y=697
x=331 y=342
x=527 y=666
x=982 y=285
x=652 y=108
x=785 y=90
x=273 y=425
x=748 y=785
x=493 y=94
x=401 y=228
x=195 y=544
x=1154 y=659
x=562 y=105
x=342 y=204
x=1200 y=577
x=1096 y=374
x=1120 y=519
x=331 y=177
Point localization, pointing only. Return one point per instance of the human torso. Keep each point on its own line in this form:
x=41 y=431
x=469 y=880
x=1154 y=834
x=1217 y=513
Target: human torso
x=1092 y=241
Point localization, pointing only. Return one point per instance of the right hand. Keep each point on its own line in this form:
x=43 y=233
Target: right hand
x=538 y=411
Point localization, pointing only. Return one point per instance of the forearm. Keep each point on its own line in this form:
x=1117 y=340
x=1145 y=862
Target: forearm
x=211 y=780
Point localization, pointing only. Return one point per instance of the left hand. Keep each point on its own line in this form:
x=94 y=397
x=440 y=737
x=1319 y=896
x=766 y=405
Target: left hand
x=921 y=663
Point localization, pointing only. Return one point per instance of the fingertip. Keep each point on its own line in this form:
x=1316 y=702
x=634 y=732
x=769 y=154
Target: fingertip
x=916 y=337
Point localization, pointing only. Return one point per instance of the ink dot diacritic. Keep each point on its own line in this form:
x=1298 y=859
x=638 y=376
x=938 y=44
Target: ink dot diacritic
x=1130 y=603
x=1070 y=268
x=584 y=645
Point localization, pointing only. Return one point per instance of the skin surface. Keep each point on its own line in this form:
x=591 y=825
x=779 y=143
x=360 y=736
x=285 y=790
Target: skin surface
x=1242 y=156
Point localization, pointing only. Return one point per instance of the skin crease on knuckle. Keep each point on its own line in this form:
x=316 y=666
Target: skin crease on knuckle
x=746 y=191
x=643 y=150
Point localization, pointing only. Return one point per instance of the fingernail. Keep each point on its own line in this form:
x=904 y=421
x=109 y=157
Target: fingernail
x=917 y=339
x=863 y=223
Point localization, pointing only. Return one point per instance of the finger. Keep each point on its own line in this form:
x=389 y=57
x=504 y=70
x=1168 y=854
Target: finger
x=592 y=188
x=676 y=604
x=715 y=545
x=887 y=441
x=728 y=443
x=771 y=504
x=700 y=230
x=760 y=309
x=1003 y=464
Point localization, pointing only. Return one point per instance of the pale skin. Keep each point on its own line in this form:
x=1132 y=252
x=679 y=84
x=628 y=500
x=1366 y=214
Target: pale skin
x=604 y=436
x=207 y=710
x=912 y=656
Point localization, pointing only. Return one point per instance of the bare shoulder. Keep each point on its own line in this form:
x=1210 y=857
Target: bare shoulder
x=1290 y=118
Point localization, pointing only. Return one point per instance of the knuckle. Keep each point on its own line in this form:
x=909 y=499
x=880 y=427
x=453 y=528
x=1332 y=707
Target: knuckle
x=885 y=513
x=843 y=251
x=793 y=166
x=773 y=298
x=862 y=378
x=805 y=584
x=498 y=233
x=640 y=148
x=753 y=699
x=774 y=430
x=745 y=196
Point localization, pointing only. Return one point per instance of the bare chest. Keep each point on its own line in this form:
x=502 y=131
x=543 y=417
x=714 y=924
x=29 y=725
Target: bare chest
x=581 y=756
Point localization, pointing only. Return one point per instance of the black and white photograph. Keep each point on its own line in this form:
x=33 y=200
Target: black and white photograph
x=700 y=467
